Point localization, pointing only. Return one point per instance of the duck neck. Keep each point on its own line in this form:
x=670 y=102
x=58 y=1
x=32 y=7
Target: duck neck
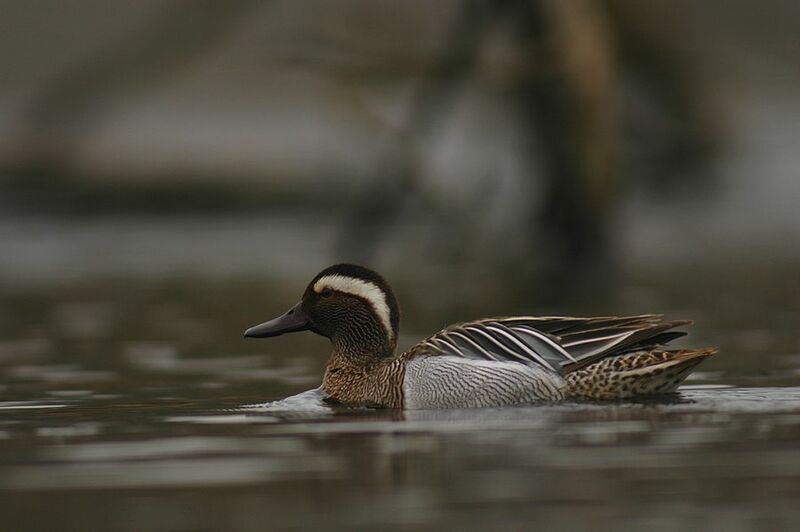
x=358 y=373
x=363 y=344
x=361 y=354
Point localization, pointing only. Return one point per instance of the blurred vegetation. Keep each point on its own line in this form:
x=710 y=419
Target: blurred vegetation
x=509 y=135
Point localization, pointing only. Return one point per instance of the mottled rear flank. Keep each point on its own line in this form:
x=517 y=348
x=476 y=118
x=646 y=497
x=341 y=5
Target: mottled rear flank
x=634 y=374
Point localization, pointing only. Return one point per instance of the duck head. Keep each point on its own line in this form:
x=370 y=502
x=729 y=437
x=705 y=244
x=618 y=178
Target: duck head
x=351 y=305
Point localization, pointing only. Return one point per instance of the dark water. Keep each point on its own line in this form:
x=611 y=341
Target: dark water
x=118 y=411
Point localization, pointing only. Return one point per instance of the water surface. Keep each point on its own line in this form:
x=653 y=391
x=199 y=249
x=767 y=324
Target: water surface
x=120 y=410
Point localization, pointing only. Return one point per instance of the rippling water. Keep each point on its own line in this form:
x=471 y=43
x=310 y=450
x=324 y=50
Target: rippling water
x=121 y=409
x=710 y=458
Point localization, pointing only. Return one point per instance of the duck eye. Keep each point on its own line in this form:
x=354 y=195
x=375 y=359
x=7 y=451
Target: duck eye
x=326 y=292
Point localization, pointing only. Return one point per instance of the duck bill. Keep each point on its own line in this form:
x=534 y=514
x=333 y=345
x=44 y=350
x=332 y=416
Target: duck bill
x=294 y=320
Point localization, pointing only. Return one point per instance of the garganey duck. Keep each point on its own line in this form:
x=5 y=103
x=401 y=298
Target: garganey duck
x=483 y=363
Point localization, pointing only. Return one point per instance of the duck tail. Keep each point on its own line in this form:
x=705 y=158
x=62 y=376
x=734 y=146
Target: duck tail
x=634 y=374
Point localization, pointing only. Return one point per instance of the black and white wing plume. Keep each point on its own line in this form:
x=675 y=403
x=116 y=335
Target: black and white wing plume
x=560 y=344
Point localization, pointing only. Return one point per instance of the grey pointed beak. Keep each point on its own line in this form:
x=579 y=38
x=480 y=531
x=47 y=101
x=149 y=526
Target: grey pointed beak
x=294 y=320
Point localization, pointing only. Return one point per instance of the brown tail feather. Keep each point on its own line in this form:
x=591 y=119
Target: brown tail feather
x=635 y=374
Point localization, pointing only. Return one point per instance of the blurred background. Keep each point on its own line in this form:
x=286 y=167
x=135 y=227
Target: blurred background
x=172 y=172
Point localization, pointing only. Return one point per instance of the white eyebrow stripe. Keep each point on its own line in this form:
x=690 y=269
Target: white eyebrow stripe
x=364 y=289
